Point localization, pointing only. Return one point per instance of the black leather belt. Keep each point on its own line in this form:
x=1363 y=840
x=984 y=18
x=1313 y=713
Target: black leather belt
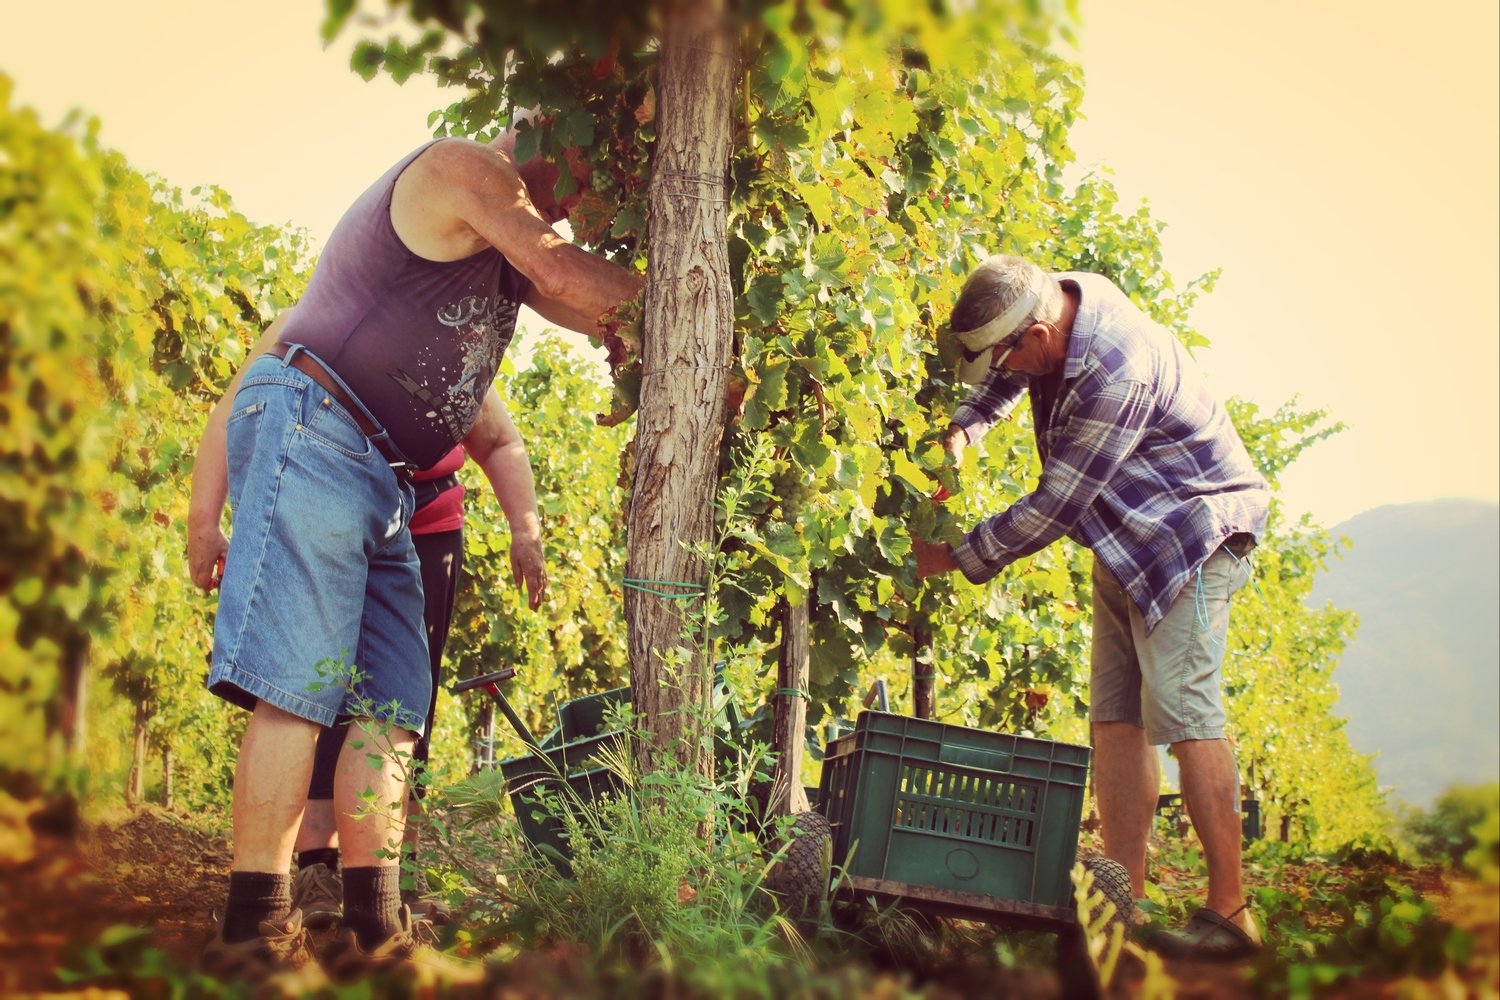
x=309 y=366
x=428 y=490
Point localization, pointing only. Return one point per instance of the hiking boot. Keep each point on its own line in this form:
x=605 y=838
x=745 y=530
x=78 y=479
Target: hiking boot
x=281 y=959
x=318 y=892
x=430 y=907
x=406 y=955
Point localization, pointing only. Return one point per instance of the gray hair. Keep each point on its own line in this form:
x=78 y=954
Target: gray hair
x=999 y=281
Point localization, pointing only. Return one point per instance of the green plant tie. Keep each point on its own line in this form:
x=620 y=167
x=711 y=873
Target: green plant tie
x=924 y=677
x=683 y=368
x=794 y=693
x=655 y=587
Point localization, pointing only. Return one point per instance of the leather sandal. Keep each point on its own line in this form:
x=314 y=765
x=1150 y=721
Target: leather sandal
x=1208 y=937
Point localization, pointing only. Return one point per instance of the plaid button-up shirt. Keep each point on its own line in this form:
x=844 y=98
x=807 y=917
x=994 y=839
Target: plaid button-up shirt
x=1139 y=462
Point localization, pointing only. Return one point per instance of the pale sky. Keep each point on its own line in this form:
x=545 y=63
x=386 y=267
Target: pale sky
x=1340 y=161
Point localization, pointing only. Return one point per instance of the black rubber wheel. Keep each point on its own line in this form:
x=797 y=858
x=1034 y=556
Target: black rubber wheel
x=1111 y=878
x=801 y=878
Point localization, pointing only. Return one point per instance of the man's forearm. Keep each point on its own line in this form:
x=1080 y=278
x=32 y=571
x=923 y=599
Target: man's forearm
x=508 y=470
x=210 y=483
x=497 y=448
x=581 y=289
x=590 y=284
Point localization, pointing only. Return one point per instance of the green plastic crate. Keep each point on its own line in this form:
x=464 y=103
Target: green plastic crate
x=569 y=765
x=583 y=718
x=930 y=804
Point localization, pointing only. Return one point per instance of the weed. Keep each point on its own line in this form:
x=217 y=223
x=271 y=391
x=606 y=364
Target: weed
x=637 y=891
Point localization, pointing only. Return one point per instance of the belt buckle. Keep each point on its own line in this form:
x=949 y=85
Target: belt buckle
x=403 y=470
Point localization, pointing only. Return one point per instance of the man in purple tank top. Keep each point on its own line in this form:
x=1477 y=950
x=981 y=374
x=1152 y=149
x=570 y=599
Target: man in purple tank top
x=387 y=362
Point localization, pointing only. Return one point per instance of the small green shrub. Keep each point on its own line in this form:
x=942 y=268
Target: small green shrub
x=1462 y=830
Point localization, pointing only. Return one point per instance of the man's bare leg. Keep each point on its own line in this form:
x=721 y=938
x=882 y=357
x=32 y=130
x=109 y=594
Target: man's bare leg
x=369 y=798
x=1209 y=788
x=1127 y=780
x=270 y=789
x=370 y=833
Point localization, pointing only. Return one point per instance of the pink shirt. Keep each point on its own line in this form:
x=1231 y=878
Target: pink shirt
x=445 y=512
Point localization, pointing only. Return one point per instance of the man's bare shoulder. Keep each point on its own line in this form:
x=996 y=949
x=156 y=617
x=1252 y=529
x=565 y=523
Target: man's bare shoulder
x=465 y=162
x=440 y=198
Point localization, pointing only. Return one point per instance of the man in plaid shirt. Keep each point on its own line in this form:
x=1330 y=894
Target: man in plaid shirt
x=1140 y=464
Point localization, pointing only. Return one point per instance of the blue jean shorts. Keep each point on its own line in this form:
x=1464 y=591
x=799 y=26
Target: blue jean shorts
x=320 y=606
x=1169 y=682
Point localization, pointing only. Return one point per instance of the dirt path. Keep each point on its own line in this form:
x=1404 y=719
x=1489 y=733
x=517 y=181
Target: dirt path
x=150 y=870
x=147 y=871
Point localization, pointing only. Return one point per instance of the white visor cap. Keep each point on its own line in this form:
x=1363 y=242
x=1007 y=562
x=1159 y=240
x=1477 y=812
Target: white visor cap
x=976 y=362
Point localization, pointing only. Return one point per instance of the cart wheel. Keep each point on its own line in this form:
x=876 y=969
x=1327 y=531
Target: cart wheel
x=801 y=878
x=1111 y=878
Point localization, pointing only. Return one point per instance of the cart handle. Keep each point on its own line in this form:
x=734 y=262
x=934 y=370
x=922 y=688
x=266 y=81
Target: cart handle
x=491 y=684
x=483 y=680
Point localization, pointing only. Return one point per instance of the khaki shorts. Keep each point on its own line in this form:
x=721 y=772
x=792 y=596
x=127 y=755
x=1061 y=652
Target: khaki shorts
x=1169 y=683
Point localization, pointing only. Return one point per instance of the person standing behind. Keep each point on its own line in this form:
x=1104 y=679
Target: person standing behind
x=1141 y=464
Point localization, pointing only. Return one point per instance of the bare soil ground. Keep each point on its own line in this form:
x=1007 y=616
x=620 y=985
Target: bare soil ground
x=150 y=870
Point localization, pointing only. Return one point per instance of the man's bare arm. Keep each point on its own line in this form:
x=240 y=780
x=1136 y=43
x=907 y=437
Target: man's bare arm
x=460 y=196
x=496 y=447
x=207 y=545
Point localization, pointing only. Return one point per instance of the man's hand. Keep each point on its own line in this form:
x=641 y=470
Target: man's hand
x=955 y=440
x=206 y=550
x=932 y=559
x=529 y=569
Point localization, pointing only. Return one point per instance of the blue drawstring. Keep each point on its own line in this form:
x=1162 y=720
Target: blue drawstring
x=1200 y=602
x=1200 y=609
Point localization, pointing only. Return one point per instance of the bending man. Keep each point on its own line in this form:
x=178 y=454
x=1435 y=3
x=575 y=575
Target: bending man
x=383 y=367
x=1140 y=464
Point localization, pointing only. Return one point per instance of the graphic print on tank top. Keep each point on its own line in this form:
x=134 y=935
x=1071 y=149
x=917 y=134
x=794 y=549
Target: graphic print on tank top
x=483 y=326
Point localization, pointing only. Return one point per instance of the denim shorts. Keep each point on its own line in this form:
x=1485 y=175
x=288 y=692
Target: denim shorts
x=320 y=607
x=1170 y=683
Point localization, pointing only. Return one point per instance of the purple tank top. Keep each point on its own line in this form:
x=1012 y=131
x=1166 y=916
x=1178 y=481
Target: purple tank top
x=418 y=341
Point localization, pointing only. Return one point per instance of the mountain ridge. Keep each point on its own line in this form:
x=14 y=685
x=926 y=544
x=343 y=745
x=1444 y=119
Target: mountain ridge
x=1420 y=682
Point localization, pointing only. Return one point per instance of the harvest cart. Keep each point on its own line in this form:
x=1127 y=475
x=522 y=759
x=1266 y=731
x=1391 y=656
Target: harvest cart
x=939 y=819
x=957 y=822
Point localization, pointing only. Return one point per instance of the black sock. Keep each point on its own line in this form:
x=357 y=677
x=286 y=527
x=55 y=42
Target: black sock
x=372 y=903
x=319 y=856
x=253 y=897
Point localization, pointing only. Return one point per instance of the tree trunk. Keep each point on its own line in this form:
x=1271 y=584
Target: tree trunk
x=166 y=779
x=484 y=737
x=688 y=324
x=63 y=715
x=790 y=729
x=135 y=788
x=75 y=691
x=923 y=672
